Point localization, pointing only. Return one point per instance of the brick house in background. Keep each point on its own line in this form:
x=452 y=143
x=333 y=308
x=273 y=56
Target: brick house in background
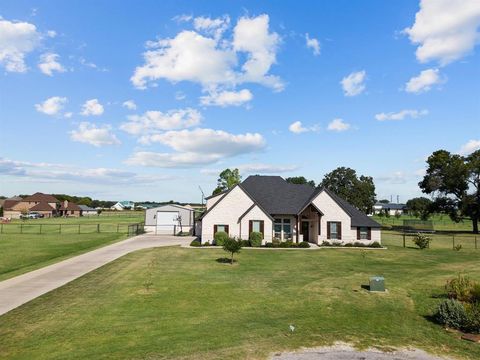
x=45 y=204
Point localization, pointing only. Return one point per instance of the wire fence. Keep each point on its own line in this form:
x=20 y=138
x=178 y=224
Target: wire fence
x=437 y=223
x=80 y=228
x=438 y=240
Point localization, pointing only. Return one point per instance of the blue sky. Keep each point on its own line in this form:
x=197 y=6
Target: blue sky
x=118 y=100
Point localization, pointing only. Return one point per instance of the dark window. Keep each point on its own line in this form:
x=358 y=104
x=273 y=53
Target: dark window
x=334 y=230
x=218 y=228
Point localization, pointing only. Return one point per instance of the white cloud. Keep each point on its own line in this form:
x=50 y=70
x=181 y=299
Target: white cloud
x=469 y=147
x=227 y=98
x=91 y=134
x=152 y=122
x=445 y=30
x=338 y=125
x=68 y=115
x=61 y=172
x=397 y=177
x=92 y=107
x=297 y=127
x=51 y=33
x=212 y=60
x=265 y=168
x=215 y=27
x=48 y=64
x=17 y=39
x=197 y=147
x=313 y=43
x=52 y=106
x=354 y=84
x=130 y=105
x=424 y=81
x=400 y=115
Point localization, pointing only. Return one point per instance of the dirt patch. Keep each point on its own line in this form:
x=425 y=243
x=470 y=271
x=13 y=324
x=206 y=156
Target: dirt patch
x=346 y=352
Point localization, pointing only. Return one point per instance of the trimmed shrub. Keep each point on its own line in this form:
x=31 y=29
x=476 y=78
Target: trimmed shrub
x=422 y=241
x=220 y=238
x=207 y=243
x=269 y=245
x=245 y=243
x=304 y=244
x=460 y=288
x=475 y=293
x=375 y=244
x=195 y=243
x=325 y=243
x=287 y=244
x=232 y=246
x=256 y=238
x=451 y=313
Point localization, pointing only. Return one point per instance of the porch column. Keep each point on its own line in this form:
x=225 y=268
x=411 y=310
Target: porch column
x=298 y=229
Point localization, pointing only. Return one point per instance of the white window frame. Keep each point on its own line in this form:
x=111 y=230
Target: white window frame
x=282 y=222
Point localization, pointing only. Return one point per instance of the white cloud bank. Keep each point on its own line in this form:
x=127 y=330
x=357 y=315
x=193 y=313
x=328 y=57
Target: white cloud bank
x=92 y=107
x=207 y=57
x=470 y=147
x=130 y=105
x=354 y=84
x=197 y=147
x=227 y=98
x=424 y=81
x=153 y=122
x=445 y=30
x=48 y=64
x=52 y=106
x=91 y=134
x=17 y=40
x=400 y=115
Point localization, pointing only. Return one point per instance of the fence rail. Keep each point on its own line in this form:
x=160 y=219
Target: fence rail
x=438 y=240
x=82 y=228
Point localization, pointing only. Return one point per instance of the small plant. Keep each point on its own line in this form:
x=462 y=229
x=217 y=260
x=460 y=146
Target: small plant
x=220 y=238
x=375 y=244
x=472 y=321
x=195 y=243
x=460 y=288
x=256 y=238
x=475 y=294
x=232 y=246
x=364 y=256
x=422 y=241
x=325 y=243
x=269 y=245
x=304 y=244
x=451 y=313
x=207 y=243
x=457 y=247
x=245 y=243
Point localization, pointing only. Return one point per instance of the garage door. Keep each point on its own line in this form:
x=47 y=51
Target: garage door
x=166 y=222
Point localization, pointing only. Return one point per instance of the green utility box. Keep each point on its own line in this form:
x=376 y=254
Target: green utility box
x=377 y=283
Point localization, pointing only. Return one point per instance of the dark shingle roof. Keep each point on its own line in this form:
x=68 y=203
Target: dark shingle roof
x=42 y=206
x=70 y=206
x=86 y=208
x=392 y=206
x=40 y=197
x=276 y=195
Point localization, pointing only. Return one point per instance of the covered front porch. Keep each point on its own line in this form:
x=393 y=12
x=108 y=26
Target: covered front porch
x=297 y=228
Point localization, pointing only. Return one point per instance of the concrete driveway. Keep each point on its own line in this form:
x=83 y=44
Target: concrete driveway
x=23 y=288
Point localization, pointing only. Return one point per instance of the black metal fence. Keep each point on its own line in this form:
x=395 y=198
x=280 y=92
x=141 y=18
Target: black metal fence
x=66 y=228
x=438 y=240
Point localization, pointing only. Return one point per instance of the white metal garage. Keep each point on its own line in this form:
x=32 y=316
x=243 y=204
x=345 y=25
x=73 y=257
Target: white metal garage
x=169 y=219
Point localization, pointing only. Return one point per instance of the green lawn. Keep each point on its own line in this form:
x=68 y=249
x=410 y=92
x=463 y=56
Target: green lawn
x=440 y=222
x=200 y=308
x=20 y=253
x=111 y=217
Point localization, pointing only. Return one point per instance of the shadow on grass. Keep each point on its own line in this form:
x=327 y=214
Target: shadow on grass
x=225 y=260
x=366 y=287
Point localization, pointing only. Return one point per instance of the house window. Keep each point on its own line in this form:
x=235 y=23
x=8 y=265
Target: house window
x=255 y=226
x=363 y=233
x=282 y=229
x=218 y=228
x=334 y=230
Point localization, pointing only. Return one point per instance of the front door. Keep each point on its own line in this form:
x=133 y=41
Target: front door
x=305 y=230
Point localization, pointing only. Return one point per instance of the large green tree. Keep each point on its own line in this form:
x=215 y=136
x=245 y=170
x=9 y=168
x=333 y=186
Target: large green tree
x=227 y=179
x=420 y=207
x=454 y=182
x=358 y=191
x=300 y=180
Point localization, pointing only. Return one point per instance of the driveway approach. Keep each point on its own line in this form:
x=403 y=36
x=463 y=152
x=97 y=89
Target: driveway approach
x=23 y=288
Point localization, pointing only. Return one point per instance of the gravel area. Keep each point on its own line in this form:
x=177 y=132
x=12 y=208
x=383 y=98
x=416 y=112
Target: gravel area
x=346 y=352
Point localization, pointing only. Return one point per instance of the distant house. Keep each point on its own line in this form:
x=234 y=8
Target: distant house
x=123 y=205
x=391 y=209
x=44 y=204
x=87 y=210
x=69 y=209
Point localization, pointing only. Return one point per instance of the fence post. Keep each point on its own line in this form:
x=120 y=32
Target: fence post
x=60 y=229
x=40 y=228
x=21 y=228
x=98 y=228
x=453 y=239
x=79 y=228
x=403 y=239
x=476 y=243
x=118 y=227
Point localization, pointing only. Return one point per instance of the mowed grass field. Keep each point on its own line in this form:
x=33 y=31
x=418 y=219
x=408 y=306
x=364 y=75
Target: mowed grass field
x=31 y=244
x=181 y=303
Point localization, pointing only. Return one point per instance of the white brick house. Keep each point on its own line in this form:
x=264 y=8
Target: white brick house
x=285 y=211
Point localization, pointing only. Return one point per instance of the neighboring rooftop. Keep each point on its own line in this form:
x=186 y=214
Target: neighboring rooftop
x=69 y=206
x=41 y=197
x=391 y=206
x=42 y=206
x=86 y=208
